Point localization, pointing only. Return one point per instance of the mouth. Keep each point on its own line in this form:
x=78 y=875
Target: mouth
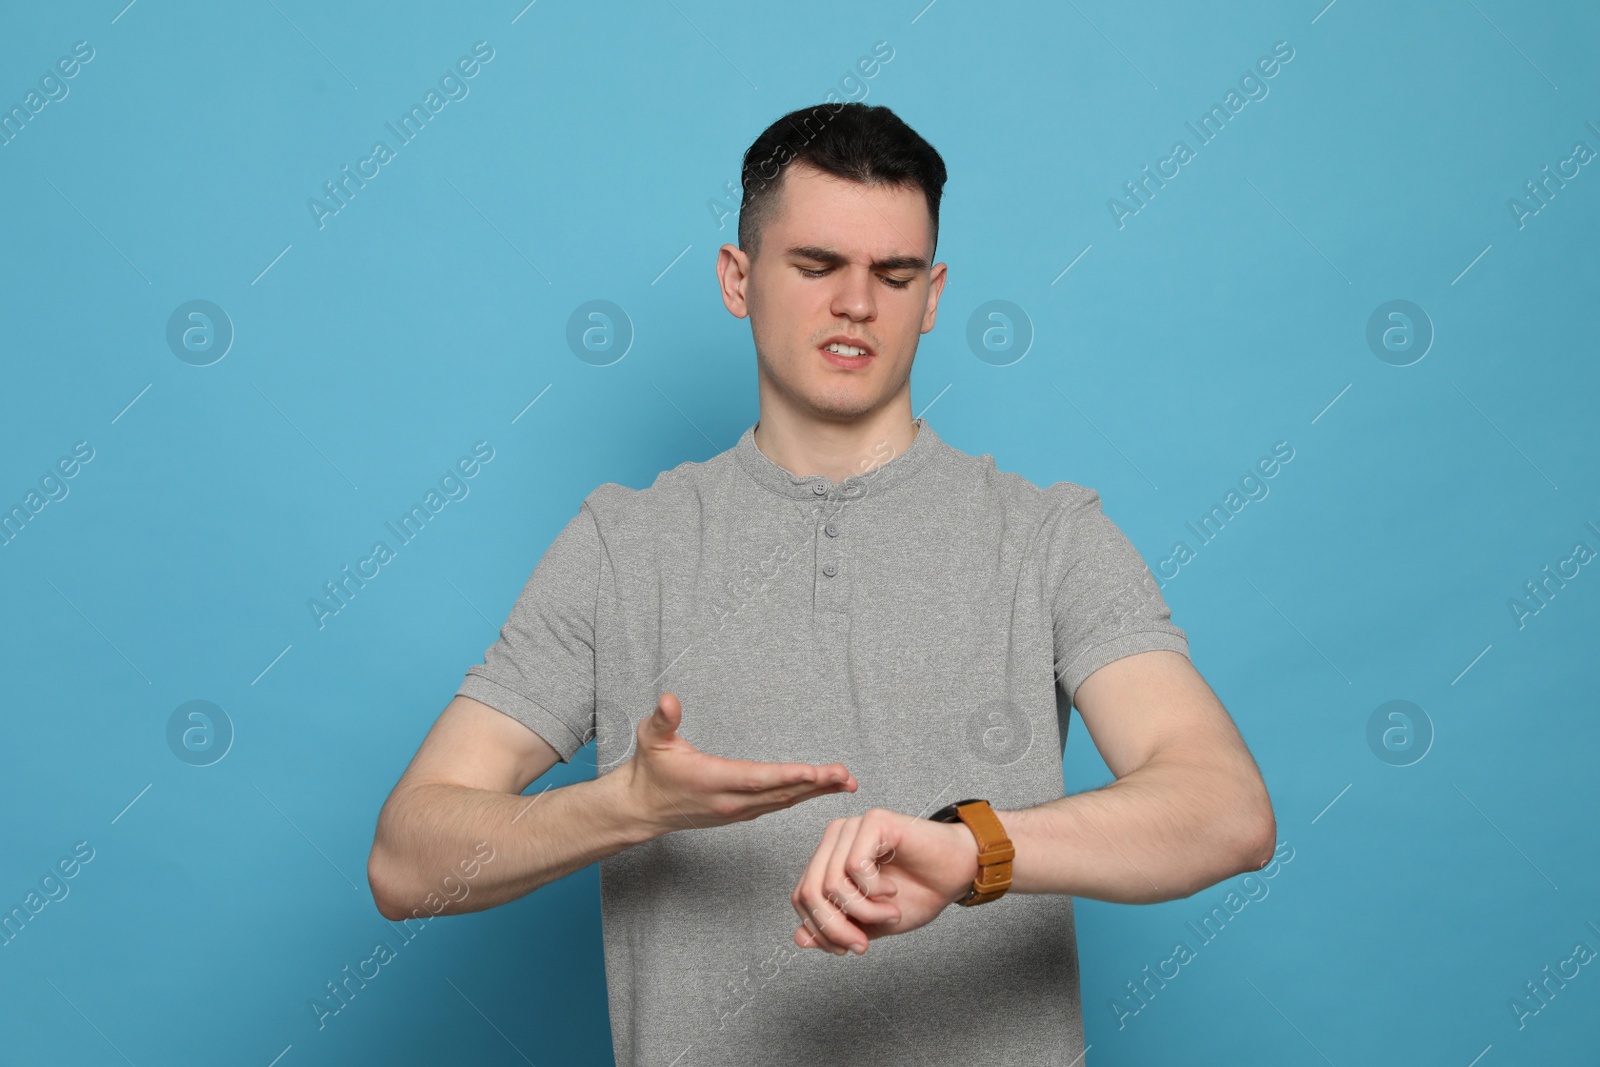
x=849 y=353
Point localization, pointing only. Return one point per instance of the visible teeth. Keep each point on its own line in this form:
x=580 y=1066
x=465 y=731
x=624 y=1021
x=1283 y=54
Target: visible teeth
x=846 y=350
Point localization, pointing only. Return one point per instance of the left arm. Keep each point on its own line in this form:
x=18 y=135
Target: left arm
x=1188 y=809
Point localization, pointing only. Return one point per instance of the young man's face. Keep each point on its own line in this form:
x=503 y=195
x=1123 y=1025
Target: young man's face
x=837 y=259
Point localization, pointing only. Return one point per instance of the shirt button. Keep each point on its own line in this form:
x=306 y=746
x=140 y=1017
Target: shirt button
x=819 y=488
x=832 y=529
x=829 y=569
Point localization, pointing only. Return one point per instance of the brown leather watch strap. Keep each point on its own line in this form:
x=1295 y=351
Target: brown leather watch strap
x=995 y=851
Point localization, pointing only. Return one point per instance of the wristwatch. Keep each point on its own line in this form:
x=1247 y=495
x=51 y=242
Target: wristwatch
x=995 y=851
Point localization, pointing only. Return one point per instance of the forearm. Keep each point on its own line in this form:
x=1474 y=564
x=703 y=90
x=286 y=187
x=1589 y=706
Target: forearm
x=1161 y=832
x=430 y=834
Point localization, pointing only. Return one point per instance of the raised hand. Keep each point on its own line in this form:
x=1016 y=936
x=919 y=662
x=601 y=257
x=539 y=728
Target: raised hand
x=675 y=786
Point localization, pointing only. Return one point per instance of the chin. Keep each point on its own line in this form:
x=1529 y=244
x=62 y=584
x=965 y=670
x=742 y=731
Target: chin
x=836 y=408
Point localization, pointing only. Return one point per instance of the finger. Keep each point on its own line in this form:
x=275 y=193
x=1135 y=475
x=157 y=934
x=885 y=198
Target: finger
x=746 y=788
x=850 y=910
x=870 y=849
x=836 y=932
x=841 y=927
x=828 y=927
x=755 y=777
x=810 y=926
x=805 y=939
x=752 y=777
x=778 y=799
x=809 y=893
x=828 y=785
x=838 y=890
x=744 y=806
x=842 y=891
x=840 y=772
x=745 y=796
x=808 y=936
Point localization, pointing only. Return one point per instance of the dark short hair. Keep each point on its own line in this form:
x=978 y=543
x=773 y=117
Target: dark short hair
x=862 y=143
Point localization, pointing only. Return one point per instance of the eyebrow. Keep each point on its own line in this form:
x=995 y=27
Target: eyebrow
x=835 y=259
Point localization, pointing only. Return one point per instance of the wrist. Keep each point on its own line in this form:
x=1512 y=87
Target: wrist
x=631 y=814
x=1015 y=825
x=967 y=846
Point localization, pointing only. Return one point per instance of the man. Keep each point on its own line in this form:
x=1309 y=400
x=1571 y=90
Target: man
x=842 y=624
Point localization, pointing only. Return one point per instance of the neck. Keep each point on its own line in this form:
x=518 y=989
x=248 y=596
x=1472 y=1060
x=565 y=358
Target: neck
x=835 y=450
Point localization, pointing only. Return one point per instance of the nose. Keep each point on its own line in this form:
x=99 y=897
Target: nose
x=853 y=296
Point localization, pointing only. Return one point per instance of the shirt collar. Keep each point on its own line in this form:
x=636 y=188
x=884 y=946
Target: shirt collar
x=885 y=476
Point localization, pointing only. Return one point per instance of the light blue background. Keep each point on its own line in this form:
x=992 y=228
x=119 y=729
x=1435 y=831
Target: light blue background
x=1229 y=313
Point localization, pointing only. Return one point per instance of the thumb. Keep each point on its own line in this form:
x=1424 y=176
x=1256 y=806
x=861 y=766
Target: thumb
x=664 y=721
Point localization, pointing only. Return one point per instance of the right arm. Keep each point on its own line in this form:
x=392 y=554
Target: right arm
x=456 y=835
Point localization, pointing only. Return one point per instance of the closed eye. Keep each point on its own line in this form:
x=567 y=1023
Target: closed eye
x=894 y=283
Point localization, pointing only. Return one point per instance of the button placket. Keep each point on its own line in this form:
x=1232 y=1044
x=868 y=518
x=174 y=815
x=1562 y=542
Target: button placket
x=832 y=582
x=830 y=568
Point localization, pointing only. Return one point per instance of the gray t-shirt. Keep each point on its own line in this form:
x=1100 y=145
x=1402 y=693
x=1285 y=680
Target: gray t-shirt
x=925 y=623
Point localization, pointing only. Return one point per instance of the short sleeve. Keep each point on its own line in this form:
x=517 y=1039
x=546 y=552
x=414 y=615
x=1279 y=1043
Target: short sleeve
x=541 y=671
x=1106 y=603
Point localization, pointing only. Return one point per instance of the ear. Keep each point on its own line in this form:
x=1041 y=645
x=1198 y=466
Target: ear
x=936 y=281
x=733 y=273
